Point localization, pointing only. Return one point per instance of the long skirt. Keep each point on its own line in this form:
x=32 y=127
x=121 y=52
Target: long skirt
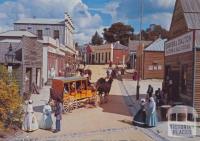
x=151 y=119
x=30 y=122
x=46 y=122
x=140 y=118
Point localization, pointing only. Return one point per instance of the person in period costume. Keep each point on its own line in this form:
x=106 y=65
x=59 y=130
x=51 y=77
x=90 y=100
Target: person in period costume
x=46 y=121
x=151 y=119
x=30 y=121
x=58 y=114
x=140 y=117
x=149 y=91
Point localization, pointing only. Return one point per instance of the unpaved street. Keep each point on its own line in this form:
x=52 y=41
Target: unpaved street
x=110 y=121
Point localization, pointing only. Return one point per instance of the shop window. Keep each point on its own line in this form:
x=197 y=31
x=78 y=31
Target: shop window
x=184 y=79
x=56 y=34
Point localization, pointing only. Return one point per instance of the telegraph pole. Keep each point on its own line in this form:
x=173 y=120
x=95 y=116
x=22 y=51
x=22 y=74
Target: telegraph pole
x=139 y=55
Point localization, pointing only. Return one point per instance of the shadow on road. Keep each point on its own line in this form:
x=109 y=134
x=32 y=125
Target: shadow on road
x=115 y=105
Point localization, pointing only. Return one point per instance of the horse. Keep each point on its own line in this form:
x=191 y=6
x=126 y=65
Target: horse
x=103 y=87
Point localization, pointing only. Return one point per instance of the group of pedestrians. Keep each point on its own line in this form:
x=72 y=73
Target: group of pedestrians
x=146 y=116
x=30 y=122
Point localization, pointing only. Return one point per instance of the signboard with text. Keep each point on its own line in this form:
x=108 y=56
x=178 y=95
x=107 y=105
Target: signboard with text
x=179 y=45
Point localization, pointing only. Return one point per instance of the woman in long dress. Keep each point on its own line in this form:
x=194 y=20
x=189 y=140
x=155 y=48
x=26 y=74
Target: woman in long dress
x=30 y=121
x=151 y=119
x=140 y=117
x=46 y=121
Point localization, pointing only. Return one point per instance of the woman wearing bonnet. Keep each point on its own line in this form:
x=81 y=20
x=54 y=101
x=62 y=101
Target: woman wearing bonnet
x=46 y=120
x=30 y=121
x=151 y=119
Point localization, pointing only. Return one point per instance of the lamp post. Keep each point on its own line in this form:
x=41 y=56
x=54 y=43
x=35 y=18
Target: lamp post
x=10 y=58
x=138 y=84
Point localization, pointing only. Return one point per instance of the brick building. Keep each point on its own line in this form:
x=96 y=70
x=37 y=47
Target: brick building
x=103 y=54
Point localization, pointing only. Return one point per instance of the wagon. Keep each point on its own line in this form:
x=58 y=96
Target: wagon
x=74 y=92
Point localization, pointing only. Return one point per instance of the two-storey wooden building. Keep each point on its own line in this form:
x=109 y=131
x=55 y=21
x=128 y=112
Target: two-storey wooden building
x=182 y=54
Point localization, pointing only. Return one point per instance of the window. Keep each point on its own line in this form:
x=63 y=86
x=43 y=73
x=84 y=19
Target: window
x=109 y=56
x=39 y=34
x=96 y=56
x=22 y=29
x=102 y=56
x=56 y=34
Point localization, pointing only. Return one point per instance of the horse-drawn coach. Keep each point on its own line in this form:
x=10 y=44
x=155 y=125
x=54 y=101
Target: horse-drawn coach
x=74 y=92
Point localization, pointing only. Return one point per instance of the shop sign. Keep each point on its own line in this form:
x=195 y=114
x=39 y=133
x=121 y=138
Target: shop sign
x=179 y=45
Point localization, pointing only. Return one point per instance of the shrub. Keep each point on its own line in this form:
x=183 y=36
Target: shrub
x=10 y=99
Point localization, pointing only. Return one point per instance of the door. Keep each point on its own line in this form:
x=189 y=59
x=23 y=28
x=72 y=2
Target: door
x=38 y=72
x=175 y=77
x=28 y=79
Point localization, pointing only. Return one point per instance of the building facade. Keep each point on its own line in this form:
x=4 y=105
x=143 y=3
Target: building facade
x=56 y=35
x=154 y=60
x=182 y=55
x=27 y=64
x=103 y=54
x=133 y=45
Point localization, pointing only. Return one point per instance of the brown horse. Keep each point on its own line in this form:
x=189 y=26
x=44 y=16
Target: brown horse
x=103 y=87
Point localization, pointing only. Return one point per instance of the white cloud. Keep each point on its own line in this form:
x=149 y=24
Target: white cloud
x=10 y=11
x=163 y=19
x=164 y=3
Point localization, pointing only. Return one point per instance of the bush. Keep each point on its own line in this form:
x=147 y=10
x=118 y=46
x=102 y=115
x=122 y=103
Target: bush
x=10 y=99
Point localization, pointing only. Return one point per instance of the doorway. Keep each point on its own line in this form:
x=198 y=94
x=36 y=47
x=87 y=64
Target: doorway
x=38 y=76
x=28 y=79
x=175 y=77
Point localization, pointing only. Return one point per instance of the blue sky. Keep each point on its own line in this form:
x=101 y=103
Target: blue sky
x=88 y=16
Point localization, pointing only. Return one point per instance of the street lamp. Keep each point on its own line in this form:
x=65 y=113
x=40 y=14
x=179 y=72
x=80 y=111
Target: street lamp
x=10 y=56
x=138 y=85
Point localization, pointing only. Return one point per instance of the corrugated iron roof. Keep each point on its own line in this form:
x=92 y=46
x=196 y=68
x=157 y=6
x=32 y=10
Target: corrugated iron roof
x=157 y=45
x=13 y=33
x=117 y=45
x=10 y=41
x=40 y=21
x=192 y=20
x=190 y=5
x=191 y=9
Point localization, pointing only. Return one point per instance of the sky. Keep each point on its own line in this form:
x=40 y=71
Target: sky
x=88 y=16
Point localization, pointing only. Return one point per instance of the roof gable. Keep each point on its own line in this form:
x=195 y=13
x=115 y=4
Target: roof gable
x=157 y=45
x=186 y=16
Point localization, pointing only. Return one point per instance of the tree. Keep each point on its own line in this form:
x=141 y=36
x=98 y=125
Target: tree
x=118 y=32
x=154 y=32
x=97 y=39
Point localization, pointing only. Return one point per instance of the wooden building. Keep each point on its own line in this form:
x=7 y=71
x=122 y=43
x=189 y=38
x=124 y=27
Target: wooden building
x=153 y=60
x=132 y=49
x=27 y=65
x=182 y=54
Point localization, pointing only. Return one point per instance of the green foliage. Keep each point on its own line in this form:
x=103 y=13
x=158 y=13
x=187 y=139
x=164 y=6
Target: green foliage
x=119 y=32
x=154 y=32
x=96 y=39
x=10 y=99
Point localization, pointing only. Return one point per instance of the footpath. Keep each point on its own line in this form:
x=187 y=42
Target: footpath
x=159 y=133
